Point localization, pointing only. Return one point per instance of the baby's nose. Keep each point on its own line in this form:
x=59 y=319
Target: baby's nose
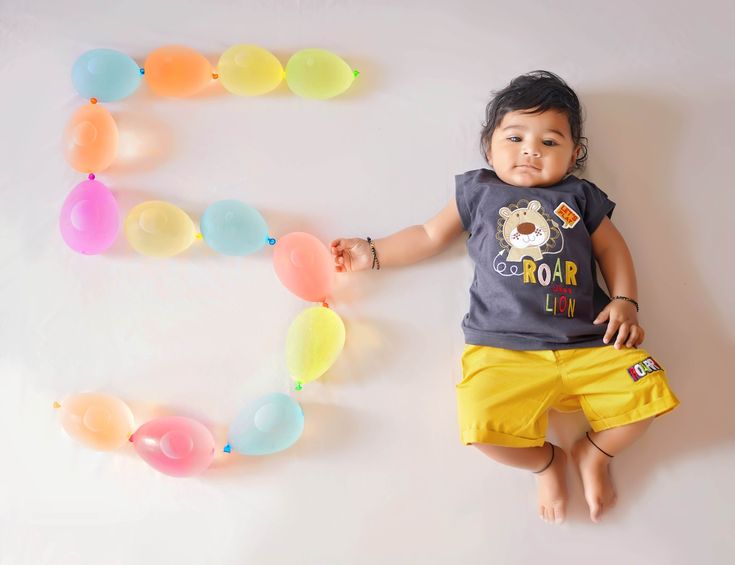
x=526 y=228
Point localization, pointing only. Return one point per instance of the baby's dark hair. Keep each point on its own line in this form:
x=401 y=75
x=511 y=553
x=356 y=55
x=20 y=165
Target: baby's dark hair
x=537 y=91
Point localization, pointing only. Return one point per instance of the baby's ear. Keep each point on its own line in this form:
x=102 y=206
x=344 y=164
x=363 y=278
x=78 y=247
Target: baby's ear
x=505 y=212
x=534 y=205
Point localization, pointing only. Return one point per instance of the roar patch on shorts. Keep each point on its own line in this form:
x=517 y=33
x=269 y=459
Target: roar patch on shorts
x=645 y=367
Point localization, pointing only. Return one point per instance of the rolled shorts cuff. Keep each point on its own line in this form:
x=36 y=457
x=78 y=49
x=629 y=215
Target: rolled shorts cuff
x=498 y=438
x=657 y=407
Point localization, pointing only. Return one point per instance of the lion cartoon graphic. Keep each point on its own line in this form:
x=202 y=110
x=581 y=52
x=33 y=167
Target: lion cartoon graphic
x=526 y=230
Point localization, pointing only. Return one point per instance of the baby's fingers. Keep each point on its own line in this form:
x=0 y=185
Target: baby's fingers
x=622 y=334
x=602 y=316
x=640 y=334
x=336 y=246
x=633 y=338
x=612 y=327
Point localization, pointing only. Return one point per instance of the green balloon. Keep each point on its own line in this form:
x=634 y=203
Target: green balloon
x=319 y=74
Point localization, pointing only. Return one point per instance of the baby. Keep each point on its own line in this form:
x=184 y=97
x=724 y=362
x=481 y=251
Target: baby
x=540 y=332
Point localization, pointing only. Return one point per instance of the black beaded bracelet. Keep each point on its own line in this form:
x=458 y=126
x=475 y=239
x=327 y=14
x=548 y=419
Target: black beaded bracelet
x=637 y=309
x=376 y=263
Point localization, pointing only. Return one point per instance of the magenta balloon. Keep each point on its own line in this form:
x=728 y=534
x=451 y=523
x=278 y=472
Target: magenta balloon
x=175 y=445
x=304 y=265
x=89 y=219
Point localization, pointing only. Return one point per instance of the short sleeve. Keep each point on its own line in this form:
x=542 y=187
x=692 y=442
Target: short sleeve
x=597 y=206
x=461 y=195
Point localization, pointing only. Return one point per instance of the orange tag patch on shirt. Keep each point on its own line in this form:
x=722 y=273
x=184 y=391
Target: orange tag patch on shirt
x=567 y=215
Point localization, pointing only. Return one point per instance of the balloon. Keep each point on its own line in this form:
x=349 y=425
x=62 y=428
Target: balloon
x=105 y=74
x=175 y=445
x=313 y=343
x=316 y=73
x=90 y=139
x=89 y=219
x=304 y=265
x=99 y=421
x=249 y=70
x=233 y=228
x=272 y=423
x=177 y=71
x=159 y=229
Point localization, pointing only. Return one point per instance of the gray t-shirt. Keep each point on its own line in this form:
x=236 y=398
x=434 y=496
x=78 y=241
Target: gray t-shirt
x=535 y=283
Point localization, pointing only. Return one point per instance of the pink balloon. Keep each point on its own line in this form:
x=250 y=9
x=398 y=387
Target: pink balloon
x=175 y=445
x=89 y=219
x=304 y=265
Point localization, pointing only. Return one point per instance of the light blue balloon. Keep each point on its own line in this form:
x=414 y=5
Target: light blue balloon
x=232 y=227
x=105 y=74
x=270 y=424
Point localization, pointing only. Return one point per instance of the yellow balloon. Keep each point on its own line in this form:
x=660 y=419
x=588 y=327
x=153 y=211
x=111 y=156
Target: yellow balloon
x=100 y=421
x=317 y=73
x=249 y=70
x=313 y=343
x=159 y=229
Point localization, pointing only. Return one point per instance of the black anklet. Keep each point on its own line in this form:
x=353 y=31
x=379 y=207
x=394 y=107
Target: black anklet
x=598 y=447
x=553 y=451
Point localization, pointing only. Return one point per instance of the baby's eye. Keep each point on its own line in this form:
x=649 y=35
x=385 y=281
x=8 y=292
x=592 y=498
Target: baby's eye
x=514 y=138
x=550 y=142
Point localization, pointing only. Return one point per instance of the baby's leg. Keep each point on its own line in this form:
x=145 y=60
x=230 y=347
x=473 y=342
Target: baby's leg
x=592 y=454
x=548 y=462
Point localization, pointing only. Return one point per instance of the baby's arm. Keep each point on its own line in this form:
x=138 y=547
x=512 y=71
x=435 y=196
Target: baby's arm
x=616 y=264
x=407 y=246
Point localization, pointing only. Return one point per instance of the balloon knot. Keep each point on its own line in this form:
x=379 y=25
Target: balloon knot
x=142 y=71
x=93 y=100
x=56 y=405
x=199 y=236
x=215 y=76
x=356 y=73
x=271 y=241
x=227 y=448
x=299 y=386
x=325 y=304
x=91 y=176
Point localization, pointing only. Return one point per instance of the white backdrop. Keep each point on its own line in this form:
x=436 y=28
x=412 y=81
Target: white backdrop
x=379 y=475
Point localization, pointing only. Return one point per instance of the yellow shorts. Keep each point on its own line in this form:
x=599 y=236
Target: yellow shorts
x=505 y=395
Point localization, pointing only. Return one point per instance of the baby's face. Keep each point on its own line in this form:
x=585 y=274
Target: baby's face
x=529 y=150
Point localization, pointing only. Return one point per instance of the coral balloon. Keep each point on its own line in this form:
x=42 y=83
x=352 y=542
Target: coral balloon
x=100 y=421
x=159 y=229
x=232 y=227
x=90 y=139
x=249 y=70
x=304 y=266
x=270 y=424
x=105 y=74
x=313 y=343
x=175 y=445
x=317 y=73
x=89 y=219
x=177 y=71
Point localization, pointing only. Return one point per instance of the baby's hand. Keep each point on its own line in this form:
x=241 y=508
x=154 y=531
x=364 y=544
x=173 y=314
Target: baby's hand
x=351 y=255
x=623 y=318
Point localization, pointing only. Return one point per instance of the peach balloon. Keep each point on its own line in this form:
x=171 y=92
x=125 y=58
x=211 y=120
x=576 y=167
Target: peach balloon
x=304 y=266
x=100 y=421
x=90 y=139
x=175 y=445
x=177 y=71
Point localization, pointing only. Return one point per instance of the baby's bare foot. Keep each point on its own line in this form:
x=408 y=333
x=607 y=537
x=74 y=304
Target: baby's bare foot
x=552 y=489
x=593 y=467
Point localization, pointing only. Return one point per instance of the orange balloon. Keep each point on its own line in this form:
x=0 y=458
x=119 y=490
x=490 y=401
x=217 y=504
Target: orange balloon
x=90 y=139
x=100 y=421
x=177 y=71
x=304 y=266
